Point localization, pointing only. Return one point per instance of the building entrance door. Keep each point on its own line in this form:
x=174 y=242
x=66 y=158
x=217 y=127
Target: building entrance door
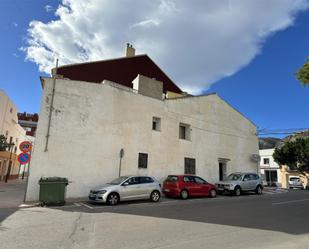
x=222 y=170
x=271 y=177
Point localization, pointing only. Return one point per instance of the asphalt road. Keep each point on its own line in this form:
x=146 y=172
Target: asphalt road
x=277 y=220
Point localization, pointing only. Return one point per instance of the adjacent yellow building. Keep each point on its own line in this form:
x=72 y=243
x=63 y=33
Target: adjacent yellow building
x=14 y=133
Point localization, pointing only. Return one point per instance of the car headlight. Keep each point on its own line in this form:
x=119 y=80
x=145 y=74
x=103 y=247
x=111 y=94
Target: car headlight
x=101 y=192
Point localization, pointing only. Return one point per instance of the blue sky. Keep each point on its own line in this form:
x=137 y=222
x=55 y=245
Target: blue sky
x=262 y=85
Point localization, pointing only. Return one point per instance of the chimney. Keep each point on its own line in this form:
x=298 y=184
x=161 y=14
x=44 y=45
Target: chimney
x=130 y=51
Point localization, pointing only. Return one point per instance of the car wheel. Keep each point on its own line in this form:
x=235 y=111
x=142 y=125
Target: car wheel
x=155 y=196
x=237 y=191
x=184 y=194
x=258 y=190
x=213 y=193
x=113 y=199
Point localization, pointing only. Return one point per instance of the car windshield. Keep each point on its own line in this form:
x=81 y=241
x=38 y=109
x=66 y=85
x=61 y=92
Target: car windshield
x=234 y=177
x=118 y=180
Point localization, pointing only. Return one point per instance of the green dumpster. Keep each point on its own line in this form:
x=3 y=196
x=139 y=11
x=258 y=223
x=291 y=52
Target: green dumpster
x=52 y=190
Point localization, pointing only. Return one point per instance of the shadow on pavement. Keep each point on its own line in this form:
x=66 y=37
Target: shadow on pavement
x=249 y=211
x=11 y=196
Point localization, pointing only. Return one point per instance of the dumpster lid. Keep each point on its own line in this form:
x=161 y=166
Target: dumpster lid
x=54 y=179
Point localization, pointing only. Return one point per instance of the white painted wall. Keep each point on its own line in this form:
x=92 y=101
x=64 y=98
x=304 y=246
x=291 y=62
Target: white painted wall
x=92 y=122
x=268 y=153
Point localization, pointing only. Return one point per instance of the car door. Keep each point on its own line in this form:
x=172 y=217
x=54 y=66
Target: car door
x=253 y=181
x=202 y=186
x=146 y=186
x=189 y=185
x=130 y=189
x=246 y=183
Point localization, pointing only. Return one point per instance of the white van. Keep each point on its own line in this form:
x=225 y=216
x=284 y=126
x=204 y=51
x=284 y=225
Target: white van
x=295 y=182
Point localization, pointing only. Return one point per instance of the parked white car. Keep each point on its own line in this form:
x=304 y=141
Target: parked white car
x=127 y=188
x=239 y=182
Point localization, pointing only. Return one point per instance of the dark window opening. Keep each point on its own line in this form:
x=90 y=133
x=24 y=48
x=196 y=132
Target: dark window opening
x=184 y=131
x=190 y=166
x=266 y=160
x=142 y=160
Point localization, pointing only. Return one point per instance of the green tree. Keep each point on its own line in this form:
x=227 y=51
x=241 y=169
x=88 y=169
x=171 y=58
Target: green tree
x=303 y=74
x=294 y=154
x=3 y=143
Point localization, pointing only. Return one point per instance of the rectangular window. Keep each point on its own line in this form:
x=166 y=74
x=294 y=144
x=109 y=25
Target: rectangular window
x=156 y=124
x=266 y=161
x=142 y=160
x=184 y=131
x=190 y=166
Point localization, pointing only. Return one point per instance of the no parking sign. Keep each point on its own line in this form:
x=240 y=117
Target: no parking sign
x=23 y=158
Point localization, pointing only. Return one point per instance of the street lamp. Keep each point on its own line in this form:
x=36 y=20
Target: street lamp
x=11 y=146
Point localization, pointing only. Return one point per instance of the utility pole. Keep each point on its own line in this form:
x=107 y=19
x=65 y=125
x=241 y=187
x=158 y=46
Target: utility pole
x=121 y=154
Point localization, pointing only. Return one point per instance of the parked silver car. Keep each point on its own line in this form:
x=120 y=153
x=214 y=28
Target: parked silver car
x=127 y=188
x=240 y=182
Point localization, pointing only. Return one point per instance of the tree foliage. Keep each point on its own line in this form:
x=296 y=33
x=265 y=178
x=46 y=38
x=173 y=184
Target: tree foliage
x=303 y=74
x=3 y=143
x=294 y=154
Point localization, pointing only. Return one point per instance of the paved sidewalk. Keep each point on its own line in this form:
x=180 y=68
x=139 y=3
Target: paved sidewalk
x=12 y=193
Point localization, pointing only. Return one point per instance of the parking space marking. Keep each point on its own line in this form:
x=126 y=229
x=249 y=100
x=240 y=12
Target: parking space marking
x=287 y=202
x=77 y=204
x=85 y=205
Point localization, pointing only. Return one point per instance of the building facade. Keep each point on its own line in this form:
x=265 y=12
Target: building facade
x=270 y=170
x=14 y=134
x=29 y=122
x=91 y=123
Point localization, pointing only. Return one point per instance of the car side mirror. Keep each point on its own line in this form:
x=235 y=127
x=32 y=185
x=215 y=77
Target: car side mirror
x=245 y=179
x=125 y=184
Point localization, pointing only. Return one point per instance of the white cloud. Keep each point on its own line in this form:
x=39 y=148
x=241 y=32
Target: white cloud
x=195 y=42
x=15 y=24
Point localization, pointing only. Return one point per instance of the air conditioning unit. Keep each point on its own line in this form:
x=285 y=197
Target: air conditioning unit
x=255 y=157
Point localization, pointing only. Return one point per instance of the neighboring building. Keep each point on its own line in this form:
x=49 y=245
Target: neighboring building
x=14 y=133
x=160 y=129
x=29 y=122
x=270 y=170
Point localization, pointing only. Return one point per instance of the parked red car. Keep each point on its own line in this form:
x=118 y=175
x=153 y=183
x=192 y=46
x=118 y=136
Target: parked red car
x=185 y=186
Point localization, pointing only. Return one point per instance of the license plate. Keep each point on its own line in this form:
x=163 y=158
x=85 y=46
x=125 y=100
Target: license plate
x=166 y=190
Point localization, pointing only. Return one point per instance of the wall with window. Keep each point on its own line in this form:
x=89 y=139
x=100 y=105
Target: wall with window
x=14 y=133
x=91 y=123
x=270 y=170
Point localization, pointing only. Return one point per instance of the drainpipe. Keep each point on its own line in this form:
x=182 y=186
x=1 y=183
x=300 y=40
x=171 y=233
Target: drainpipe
x=51 y=107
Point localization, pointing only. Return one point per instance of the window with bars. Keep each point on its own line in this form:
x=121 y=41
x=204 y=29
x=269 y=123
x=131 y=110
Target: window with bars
x=190 y=166
x=142 y=160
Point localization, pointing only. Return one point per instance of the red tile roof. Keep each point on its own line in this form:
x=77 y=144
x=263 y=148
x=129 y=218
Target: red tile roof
x=122 y=70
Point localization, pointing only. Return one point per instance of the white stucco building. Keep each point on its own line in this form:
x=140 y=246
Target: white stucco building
x=161 y=132
x=270 y=170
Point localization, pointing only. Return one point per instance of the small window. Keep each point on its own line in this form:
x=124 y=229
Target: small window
x=266 y=160
x=11 y=110
x=146 y=179
x=199 y=180
x=190 y=166
x=142 y=160
x=247 y=178
x=156 y=124
x=172 y=179
x=133 y=180
x=184 y=131
x=188 y=179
